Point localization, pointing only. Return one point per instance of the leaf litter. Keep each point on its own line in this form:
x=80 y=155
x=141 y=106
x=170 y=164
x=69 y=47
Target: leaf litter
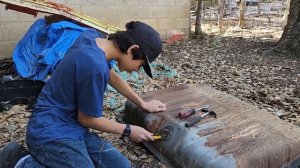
x=229 y=63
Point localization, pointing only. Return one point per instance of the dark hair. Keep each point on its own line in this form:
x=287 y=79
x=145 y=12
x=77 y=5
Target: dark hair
x=123 y=40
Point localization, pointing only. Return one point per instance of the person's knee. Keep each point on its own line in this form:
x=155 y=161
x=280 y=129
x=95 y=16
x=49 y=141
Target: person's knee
x=109 y=156
x=62 y=153
x=121 y=161
x=125 y=164
x=103 y=153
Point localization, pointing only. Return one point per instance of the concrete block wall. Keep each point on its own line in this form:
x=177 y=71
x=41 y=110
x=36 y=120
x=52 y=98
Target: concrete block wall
x=163 y=15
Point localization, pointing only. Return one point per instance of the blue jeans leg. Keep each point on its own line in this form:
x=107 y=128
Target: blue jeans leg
x=103 y=154
x=62 y=154
x=30 y=162
x=92 y=152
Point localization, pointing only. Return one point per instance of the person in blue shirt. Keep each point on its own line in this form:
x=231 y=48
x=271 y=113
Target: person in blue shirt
x=71 y=102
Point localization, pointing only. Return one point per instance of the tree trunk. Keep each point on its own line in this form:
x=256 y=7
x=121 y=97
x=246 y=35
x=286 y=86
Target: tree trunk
x=290 y=39
x=286 y=12
x=242 y=14
x=194 y=4
x=221 y=7
x=258 y=7
x=198 y=30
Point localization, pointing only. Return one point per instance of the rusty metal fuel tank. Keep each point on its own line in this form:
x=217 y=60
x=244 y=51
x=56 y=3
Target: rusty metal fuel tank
x=241 y=136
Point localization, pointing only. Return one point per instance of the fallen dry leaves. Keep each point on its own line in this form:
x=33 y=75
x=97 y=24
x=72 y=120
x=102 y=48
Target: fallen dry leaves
x=231 y=64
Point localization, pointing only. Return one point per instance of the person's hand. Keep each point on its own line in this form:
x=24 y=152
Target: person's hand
x=154 y=106
x=139 y=134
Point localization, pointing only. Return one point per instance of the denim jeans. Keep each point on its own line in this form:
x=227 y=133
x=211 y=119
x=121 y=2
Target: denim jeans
x=93 y=151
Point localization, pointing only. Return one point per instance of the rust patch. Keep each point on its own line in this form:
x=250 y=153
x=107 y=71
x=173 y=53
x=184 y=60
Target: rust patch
x=191 y=105
x=21 y=9
x=58 y=6
x=153 y=122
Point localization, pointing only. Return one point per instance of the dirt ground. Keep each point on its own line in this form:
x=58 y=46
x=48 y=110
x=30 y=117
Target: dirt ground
x=234 y=62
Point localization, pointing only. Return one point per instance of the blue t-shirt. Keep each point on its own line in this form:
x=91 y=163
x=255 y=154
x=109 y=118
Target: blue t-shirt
x=78 y=83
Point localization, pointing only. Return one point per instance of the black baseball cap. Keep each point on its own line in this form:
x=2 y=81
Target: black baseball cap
x=148 y=41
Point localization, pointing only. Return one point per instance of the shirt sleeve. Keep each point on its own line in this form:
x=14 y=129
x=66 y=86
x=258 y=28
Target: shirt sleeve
x=111 y=64
x=90 y=92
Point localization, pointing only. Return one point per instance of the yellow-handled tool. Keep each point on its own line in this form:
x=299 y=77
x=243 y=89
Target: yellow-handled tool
x=157 y=137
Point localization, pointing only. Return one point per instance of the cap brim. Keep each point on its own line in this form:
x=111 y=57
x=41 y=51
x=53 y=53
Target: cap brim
x=147 y=68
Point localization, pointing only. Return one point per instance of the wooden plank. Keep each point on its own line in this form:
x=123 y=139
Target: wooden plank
x=34 y=6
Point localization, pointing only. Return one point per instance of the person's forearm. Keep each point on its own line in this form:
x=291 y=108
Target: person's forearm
x=122 y=87
x=101 y=124
x=137 y=134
